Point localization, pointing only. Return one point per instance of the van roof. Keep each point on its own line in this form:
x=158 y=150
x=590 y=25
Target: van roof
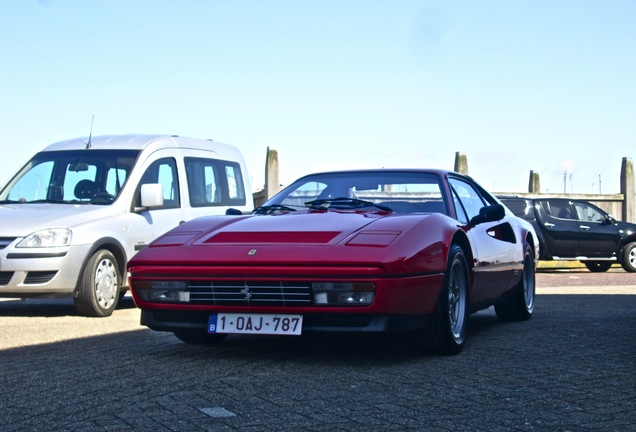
x=140 y=142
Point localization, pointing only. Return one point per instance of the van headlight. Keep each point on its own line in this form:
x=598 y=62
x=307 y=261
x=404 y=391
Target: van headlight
x=343 y=293
x=52 y=237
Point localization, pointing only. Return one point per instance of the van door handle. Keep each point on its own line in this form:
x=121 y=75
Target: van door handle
x=549 y=225
x=584 y=227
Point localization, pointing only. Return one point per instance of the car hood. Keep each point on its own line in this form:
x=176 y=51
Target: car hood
x=19 y=220
x=306 y=228
x=627 y=228
x=330 y=238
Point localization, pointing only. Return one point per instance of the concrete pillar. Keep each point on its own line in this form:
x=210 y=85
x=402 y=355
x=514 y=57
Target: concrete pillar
x=461 y=163
x=272 y=184
x=627 y=189
x=534 y=184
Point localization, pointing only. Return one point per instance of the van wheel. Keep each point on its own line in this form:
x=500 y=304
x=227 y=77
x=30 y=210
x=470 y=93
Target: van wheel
x=98 y=293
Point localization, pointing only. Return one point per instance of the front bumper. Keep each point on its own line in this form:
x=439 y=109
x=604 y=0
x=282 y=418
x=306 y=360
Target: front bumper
x=400 y=303
x=41 y=273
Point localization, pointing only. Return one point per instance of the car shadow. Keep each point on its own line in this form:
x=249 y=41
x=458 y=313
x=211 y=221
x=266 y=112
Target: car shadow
x=313 y=348
x=575 y=344
x=48 y=308
x=381 y=349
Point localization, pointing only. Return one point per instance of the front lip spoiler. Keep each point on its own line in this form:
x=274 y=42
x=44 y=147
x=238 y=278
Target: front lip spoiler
x=170 y=321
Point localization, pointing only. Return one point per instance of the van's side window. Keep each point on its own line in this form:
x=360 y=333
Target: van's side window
x=236 y=190
x=115 y=178
x=164 y=172
x=213 y=182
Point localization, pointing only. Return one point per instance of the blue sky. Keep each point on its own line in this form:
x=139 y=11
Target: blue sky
x=536 y=85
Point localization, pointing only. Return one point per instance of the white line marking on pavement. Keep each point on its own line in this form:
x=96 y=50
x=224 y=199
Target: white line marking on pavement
x=217 y=412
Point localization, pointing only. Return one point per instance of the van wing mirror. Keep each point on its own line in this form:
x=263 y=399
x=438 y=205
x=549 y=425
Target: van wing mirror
x=151 y=195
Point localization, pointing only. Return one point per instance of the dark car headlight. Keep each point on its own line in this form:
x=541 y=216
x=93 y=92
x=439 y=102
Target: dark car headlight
x=163 y=291
x=343 y=293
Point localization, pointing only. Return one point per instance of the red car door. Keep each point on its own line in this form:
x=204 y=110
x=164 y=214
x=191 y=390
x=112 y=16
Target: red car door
x=493 y=250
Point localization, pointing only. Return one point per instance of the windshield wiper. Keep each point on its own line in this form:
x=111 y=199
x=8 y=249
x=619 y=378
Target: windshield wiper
x=272 y=208
x=38 y=201
x=52 y=201
x=344 y=203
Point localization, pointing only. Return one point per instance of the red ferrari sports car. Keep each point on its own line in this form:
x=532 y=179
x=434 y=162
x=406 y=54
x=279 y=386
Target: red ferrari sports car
x=383 y=250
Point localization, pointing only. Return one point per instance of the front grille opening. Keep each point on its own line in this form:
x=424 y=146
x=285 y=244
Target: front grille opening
x=39 y=277
x=6 y=241
x=5 y=277
x=251 y=293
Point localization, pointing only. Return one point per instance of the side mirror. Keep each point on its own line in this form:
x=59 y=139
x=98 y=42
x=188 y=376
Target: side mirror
x=233 y=212
x=151 y=195
x=609 y=219
x=490 y=213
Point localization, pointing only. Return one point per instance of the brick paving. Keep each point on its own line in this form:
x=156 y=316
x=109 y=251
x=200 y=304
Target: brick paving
x=570 y=368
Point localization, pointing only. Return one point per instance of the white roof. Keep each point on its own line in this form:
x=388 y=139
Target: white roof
x=139 y=142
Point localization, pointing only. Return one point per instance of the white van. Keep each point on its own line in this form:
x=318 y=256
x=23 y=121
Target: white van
x=73 y=216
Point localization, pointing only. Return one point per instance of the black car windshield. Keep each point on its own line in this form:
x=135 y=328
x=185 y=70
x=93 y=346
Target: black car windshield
x=396 y=191
x=71 y=177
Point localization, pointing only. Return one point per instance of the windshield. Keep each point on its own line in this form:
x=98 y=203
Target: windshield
x=396 y=191
x=71 y=177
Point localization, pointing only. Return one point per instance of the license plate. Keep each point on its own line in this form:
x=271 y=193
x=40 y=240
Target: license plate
x=255 y=324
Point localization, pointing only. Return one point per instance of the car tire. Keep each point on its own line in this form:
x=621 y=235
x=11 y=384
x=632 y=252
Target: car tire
x=598 y=266
x=629 y=257
x=199 y=337
x=447 y=333
x=98 y=292
x=519 y=305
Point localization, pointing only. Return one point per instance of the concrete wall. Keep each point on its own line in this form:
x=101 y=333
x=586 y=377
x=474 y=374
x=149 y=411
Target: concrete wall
x=272 y=183
x=627 y=189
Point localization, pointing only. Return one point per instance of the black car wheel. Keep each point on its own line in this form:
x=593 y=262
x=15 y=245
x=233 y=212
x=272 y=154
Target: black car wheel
x=598 y=266
x=629 y=257
x=447 y=333
x=98 y=293
x=519 y=306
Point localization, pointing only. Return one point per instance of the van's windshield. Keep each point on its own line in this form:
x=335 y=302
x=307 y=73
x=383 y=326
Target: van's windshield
x=71 y=177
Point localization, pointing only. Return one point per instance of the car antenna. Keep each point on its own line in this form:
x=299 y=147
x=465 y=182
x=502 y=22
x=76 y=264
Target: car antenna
x=90 y=135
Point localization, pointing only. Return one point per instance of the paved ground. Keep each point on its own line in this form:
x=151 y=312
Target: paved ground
x=571 y=368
